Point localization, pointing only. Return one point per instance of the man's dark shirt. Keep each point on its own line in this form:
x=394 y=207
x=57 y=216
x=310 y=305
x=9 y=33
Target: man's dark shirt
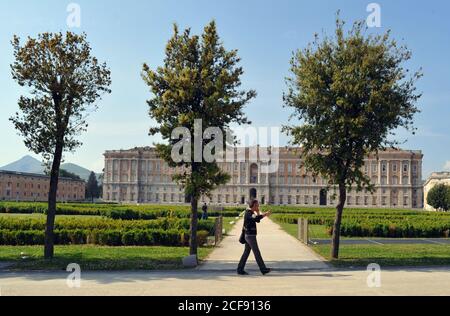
x=250 y=223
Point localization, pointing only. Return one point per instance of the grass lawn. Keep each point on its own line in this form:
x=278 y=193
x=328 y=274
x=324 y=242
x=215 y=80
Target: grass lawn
x=227 y=224
x=98 y=258
x=384 y=255
x=315 y=231
x=388 y=255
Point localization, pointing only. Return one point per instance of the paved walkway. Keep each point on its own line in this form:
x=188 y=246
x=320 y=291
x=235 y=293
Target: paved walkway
x=281 y=251
x=298 y=271
x=408 y=281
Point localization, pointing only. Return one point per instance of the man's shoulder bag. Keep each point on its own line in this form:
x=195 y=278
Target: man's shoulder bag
x=242 y=238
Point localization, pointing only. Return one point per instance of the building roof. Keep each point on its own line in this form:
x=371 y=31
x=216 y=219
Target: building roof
x=36 y=175
x=438 y=176
x=283 y=151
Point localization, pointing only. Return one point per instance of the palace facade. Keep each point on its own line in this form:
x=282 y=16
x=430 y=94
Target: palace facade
x=139 y=176
x=20 y=186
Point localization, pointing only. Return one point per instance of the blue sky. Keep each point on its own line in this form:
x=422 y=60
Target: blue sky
x=126 y=34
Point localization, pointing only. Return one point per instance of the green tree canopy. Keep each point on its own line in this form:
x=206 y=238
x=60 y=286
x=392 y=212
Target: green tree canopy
x=200 y=80
x=439 y=197
x=67 y=174
x=349 y=93
x=64 y=82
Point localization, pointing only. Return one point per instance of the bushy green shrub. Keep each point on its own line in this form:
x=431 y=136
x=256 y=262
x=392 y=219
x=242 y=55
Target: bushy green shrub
x=439 y=197
x=136 y=237
x=23 y=230
x=113 y=211
x=387 y=229
x=21 y=238
x=202 y=237
x=378 y=223
x=89 y=223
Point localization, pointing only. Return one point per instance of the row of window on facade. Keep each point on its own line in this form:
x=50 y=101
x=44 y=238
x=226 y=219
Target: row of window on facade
x=315 y=200
x=44 y=187
x=26 y=185
x=281 y=180
x=149 y=165
x=37 y=195
x=228 y=189
x=288 y=199
x=157 y=165
x=395 y=166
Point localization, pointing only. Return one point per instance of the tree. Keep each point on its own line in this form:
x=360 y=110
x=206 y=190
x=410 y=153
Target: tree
x=200 y=80
x=66 y=174
x=439 y=197
x=100 y=185
x=92 y=187
x=349 y=92
x=65 y=81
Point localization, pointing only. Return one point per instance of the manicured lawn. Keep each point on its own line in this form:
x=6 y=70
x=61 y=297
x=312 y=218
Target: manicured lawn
x=98 y=258
x=388 y=255
x=227 y=224
x=315 y=231
x=384 y=255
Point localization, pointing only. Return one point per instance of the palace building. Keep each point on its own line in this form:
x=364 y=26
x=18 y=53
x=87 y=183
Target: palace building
x=139 y=176
x=30 y=187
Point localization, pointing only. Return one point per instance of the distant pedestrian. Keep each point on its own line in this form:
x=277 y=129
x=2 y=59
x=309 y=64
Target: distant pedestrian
x=205 y=211
x=251 y=218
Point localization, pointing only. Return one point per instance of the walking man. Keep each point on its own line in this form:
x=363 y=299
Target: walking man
x=251 y=218
x=205 y=211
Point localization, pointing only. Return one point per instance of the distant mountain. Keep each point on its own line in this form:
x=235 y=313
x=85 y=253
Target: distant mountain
x=26 y=164
x=83 y=173
x=29 y=164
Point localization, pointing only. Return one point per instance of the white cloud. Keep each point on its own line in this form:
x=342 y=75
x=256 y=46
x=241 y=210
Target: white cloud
x=447 y=166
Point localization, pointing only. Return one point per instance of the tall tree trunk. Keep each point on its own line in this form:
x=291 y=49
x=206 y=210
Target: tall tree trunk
x=194 y=224
x=52 y=196
x=337 y=222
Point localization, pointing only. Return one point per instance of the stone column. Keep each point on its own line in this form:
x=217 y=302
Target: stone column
x=119 y=180
x=410 y=172
x=379 y=172
x=239 y=172
x=247 y=176
x=388 y=172
x=130 y=187
x=259 y=174
x=380 y=190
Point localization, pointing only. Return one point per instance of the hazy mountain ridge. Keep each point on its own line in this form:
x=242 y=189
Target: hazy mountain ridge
x=29 y=164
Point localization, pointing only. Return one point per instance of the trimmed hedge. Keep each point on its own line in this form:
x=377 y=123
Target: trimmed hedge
x=387 y=229
x=24 y=230
x=135 y=237
x=89 y=223
x=394 y=225
x=113 y=211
